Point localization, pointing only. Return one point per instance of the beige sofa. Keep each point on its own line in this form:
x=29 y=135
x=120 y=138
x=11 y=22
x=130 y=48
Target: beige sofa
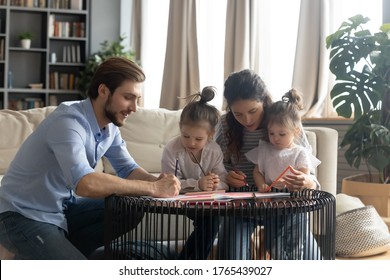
x=146 y=132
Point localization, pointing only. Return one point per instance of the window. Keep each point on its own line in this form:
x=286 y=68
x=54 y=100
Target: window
x=211 y=20
x=278 y=35
x=278 y=31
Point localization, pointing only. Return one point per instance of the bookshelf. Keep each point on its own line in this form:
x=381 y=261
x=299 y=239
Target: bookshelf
x=47 y=72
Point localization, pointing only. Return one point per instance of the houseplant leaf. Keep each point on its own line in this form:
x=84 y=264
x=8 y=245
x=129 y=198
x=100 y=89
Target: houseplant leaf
x=360 y=62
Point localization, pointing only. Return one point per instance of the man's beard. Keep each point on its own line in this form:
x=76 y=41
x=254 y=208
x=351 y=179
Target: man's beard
x=111 y=115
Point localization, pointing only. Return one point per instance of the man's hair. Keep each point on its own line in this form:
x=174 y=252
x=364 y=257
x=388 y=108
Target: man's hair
x=113 y=72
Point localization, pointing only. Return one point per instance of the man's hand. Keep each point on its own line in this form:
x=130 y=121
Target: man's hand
x=167 y=185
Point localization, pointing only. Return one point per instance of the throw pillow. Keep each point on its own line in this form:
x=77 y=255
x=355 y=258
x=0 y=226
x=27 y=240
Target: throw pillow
x=361 y=232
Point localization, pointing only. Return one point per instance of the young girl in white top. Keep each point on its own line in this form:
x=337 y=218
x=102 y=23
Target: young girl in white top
x=197 y=161
x=272 y=157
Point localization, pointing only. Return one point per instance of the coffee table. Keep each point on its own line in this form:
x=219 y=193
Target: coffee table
x=165 y=225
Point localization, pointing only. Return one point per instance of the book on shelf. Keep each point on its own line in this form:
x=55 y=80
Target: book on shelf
x=63 y=80
x=71 y=81
x=68 y=54
x=66 y=29
x=42 y=3
x=26 y=103
x=23 y=3
x=66 y=4
x=53 y=80
x=2 y=49
x=78 y=54
x=53 y=101
x=76 y=5
x=71 y=54
x=51 y=25
x=29 y=3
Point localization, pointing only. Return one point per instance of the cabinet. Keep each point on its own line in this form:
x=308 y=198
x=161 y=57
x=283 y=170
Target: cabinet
x=47 y=72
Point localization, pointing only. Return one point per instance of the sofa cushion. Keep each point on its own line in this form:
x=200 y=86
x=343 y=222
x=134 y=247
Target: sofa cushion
x=311 y=138
x=15 y=127
x=361 y=232
x=146 y=133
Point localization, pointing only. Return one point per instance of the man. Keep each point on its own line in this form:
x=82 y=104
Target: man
x=51 y=199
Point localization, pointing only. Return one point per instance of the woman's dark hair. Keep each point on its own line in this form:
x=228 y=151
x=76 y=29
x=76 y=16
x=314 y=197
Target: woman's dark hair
x=113 y=72
x=286 y=111
x=197 y=110
x=242 y=85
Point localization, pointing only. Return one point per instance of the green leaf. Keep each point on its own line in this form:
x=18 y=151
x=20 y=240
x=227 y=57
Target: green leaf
x=360 y=62
x=356 y=95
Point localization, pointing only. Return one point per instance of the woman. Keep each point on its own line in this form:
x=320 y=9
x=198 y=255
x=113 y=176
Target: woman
x=243 y=126
x=240 y=130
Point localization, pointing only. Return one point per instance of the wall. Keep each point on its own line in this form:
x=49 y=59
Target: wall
x=104 y=23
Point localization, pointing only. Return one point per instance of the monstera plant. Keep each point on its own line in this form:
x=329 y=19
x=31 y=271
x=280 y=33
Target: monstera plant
x=108 y=49
x=360 y=62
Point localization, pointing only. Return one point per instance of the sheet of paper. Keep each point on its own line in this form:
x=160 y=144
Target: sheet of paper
x=221 y=196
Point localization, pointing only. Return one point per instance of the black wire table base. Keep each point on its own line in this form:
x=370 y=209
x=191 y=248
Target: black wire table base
x=301 y=226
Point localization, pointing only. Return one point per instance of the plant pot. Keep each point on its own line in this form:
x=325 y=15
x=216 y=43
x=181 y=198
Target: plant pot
x=370 y=193
x=25 y=43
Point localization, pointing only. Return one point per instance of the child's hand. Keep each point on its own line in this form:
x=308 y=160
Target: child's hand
x=263 y=188
x=280 y=185
x=216 y=180
x=208 y=182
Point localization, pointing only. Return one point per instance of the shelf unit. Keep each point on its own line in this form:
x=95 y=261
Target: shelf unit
x=46 y=73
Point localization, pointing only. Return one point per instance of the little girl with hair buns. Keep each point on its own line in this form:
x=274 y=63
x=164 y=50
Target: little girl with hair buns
x=197 y=161
x=273 y=157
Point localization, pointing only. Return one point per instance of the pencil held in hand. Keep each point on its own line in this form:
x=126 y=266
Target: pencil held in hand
x=176 y=167
x=197 y=161
x=277 y=181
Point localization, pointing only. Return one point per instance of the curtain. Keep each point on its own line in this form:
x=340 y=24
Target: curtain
x=242 y=36
x=311 y=73
x=136 y=34
x=181 y=69
x=136 y=28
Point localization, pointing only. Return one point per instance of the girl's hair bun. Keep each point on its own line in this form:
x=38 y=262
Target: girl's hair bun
x=207 y=94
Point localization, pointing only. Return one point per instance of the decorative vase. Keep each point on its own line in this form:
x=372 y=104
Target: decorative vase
x=25 y=43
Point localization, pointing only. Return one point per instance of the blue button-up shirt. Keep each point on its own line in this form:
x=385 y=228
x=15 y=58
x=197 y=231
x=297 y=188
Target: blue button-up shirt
x=48 y=166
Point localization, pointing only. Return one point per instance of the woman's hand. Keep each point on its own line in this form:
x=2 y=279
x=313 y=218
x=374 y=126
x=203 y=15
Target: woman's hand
x=299 y=180
x=236 y=179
